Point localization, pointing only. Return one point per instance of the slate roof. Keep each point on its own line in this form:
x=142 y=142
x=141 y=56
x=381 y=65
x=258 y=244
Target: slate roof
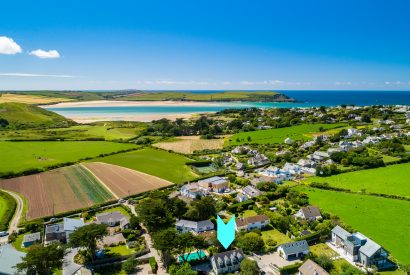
x=109 y=217
x=54 y=228
x=341 y=232
x=370 y=247
x=251 y=191
x=9 y=257
x=225 y=258
x=72 y=224
x=311 y=268
x=193 y=224
x=310 y=211
x=295 y=247
x=31 y=237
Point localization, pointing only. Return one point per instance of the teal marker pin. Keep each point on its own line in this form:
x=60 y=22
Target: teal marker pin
x=226 y=232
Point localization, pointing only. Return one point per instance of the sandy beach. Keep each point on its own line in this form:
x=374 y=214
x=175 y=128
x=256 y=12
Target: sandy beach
x=136 y=117
x=114 y=103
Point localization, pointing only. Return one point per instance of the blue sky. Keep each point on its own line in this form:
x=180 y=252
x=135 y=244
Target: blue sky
x=205 y=44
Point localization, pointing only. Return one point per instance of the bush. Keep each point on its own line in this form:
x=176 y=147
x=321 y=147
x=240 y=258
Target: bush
x=153 y=264
x=11 y=205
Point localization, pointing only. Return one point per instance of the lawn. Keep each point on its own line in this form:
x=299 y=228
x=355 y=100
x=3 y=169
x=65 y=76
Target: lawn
x=17 y=157
x=160 y=163
x=278 y=135
x=248 y=213
x=390 y=180
x=323 y=249
x=7 y=208
x=121 y=250
x=381 y=219
x=277 y=236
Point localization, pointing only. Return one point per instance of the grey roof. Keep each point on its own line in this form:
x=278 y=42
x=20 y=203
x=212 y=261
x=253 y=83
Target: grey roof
x=251 y=191
x=295 y=247
x=193 y=224
x=31 y=237
x=108 y=217
x=9 y=257
x=211 y=180
x=311 y=268
x=54 y=228
x=370 y=247
x=341 y=232
x=72 y=224
x=310 y=211
x=236 y=254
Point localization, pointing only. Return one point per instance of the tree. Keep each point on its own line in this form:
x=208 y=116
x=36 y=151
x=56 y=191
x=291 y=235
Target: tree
x=129 y=265
x=250 y=242
x=135 y=222
x=166 y=241
x=42 y=259
x=155 y=214
x=202 y=209
x=249 y=267
x=3 y=122
x=87 y=236
x=184 y=269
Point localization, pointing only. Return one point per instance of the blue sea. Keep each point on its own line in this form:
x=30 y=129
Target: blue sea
x=304 y=99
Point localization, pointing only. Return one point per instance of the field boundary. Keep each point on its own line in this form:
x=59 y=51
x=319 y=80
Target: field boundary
x=100 y=181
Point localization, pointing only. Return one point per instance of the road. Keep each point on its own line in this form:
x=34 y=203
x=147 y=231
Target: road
x=161 y=268
x=17 y=214
x=69 y=267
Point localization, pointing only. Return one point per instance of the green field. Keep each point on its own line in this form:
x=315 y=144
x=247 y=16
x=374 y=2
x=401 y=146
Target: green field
x=21 y=156
x=383 y=220
x=220 y=96
x=23 y=116
x=7 y=208
x=162 y=164
x=390 y=180
x=278 y=135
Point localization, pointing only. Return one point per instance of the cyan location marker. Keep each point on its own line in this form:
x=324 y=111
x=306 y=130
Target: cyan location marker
x=226 y=232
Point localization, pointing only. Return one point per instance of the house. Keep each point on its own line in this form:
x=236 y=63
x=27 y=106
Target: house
x=240 y=150
x=241 y=197
x=192 y=191
x=251 y=192
x=358 y=248
x=239 y=166
x=258 y=160
x=293 y=251
x=227 y=262
x=54 y=233
x=309 y=213
x=192 y=226
x=9 y=258
x=113 y=219
x=311 y=268
x=30 y=239
x=70 y=225
x=251 y=223
x=215 y=184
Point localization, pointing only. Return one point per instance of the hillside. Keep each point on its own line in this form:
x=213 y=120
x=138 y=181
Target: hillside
x=24 y=116
x=265 y=96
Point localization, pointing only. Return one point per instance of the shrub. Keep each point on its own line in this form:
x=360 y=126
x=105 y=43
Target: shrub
x=153 y=264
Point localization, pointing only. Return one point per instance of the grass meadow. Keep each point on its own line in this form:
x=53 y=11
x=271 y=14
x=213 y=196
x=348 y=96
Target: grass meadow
x=390 y=180
x=160 y=163
x=7 y=208
x=21 y=156
x=381 y=219
x=278 y=135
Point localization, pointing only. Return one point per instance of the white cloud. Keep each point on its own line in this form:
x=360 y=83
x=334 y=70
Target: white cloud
x=36 y=75
x=45 y=54
x=8 y=46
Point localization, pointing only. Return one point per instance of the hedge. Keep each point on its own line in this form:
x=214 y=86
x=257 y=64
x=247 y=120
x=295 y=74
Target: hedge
x=234 y=207
x=290 y=269
x=11 y=205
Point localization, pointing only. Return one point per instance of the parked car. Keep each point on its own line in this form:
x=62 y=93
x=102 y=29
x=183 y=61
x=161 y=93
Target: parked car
x=3 y=233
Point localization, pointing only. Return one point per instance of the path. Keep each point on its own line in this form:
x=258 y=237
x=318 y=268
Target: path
x=69 y=266
x=17 y=214
x=161 y=269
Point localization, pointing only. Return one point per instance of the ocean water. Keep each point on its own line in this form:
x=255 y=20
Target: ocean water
x=304 y=99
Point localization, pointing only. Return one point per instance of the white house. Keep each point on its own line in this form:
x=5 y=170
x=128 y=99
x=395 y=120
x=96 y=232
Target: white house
x=227 y=262
x=293 y=251
x=184 y=226
x=289 y=140
x=251 y=223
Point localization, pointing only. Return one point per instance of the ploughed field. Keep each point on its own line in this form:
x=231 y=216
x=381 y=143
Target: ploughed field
x=79 y=186
x=189 y=144
x=58 y=191
x=124 y=181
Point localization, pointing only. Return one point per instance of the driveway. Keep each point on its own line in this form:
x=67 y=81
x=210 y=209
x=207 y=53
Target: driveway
x=69 y=267
x=17 y=214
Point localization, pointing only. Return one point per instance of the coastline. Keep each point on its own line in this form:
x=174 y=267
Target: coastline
x=115 y=103
x=127 y=117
